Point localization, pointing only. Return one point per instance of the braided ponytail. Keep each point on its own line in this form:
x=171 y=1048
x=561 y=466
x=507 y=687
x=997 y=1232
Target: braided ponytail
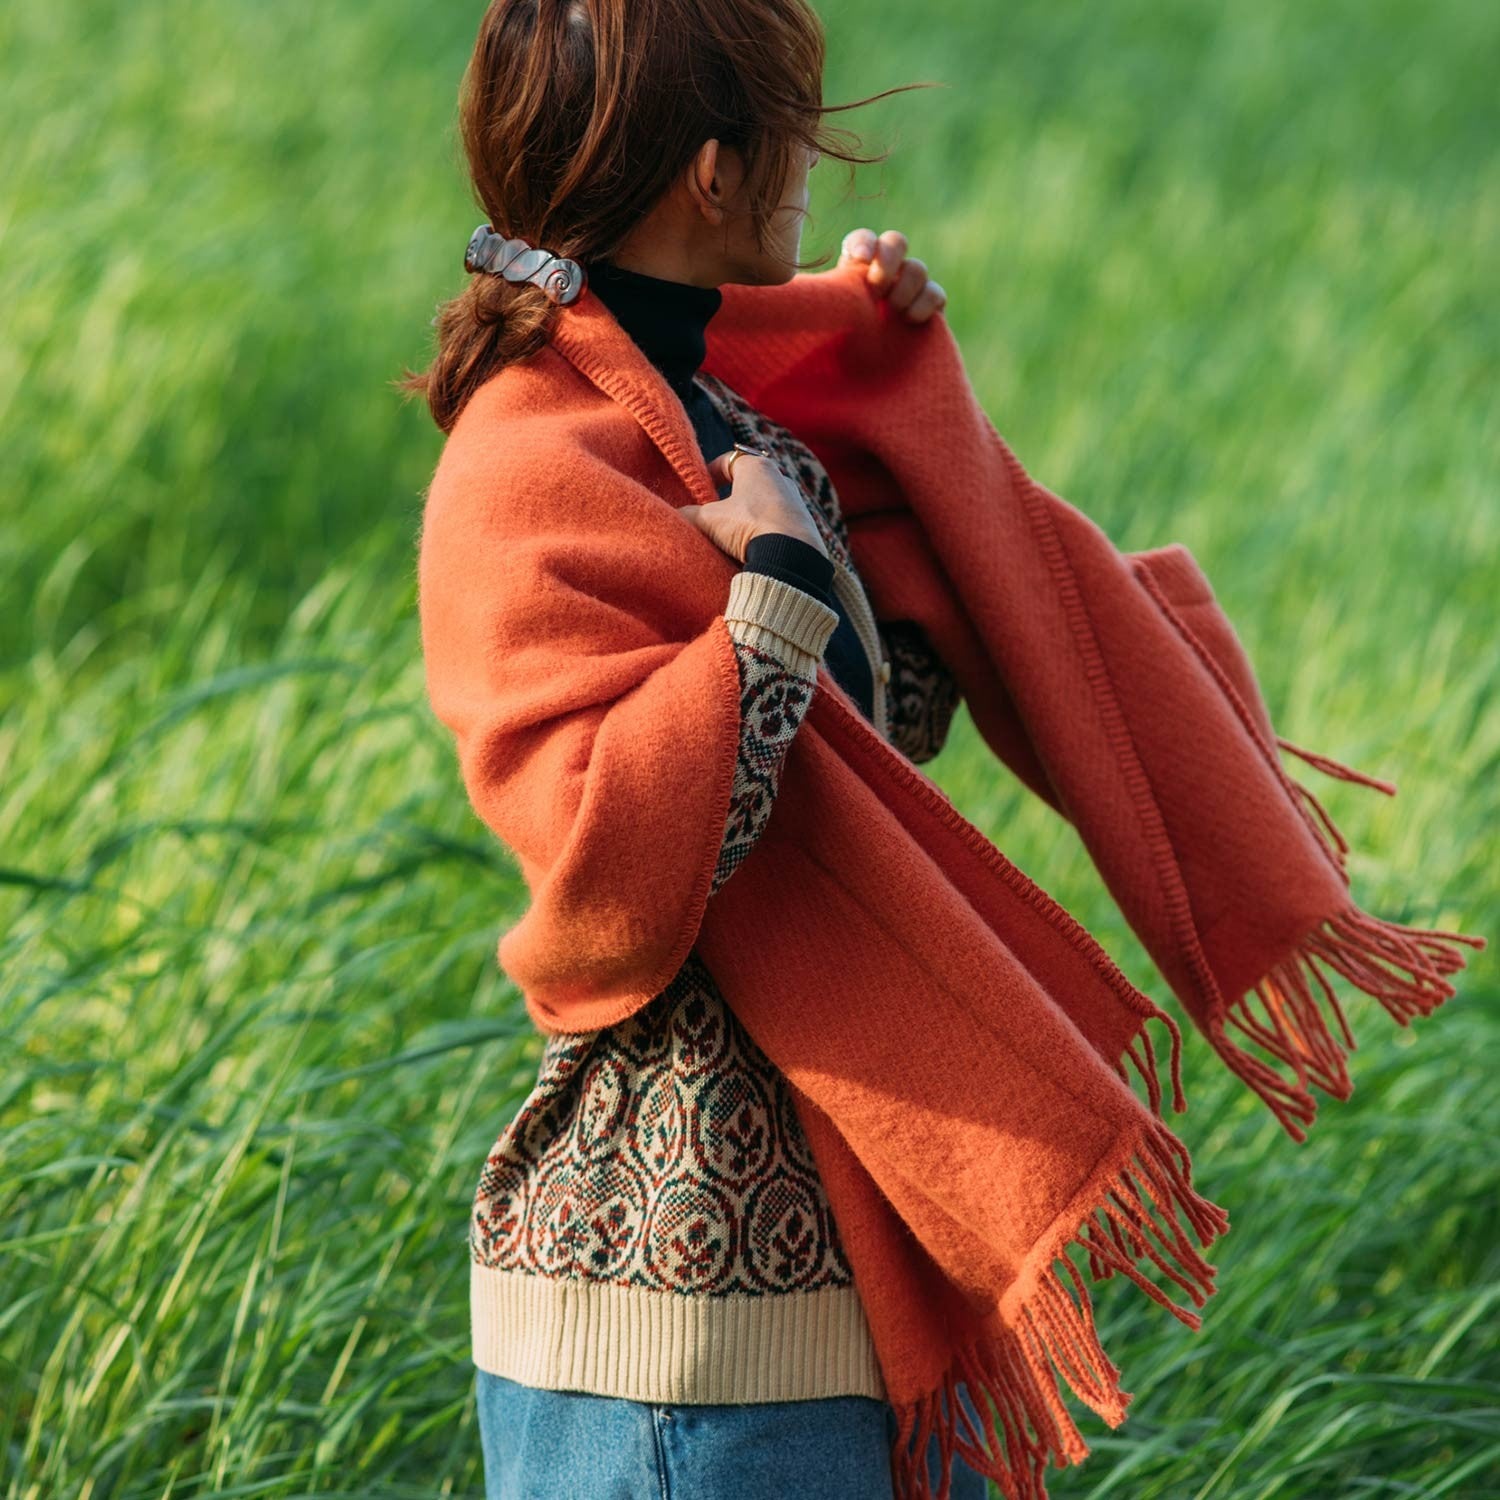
x=491 y=323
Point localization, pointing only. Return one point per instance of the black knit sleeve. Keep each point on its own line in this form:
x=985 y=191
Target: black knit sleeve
x=794 y=561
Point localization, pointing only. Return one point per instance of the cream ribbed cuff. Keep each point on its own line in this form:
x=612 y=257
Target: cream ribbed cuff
x=650 y=1345
x=777 y=616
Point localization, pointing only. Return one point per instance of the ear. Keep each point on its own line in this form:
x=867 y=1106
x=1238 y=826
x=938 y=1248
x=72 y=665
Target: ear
x=713 y=178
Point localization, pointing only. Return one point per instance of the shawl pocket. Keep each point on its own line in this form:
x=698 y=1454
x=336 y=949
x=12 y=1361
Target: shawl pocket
x=1174 y=579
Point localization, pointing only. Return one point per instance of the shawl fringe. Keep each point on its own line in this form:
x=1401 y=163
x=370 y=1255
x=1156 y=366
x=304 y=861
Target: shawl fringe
x=1146 y=1064
x=1402 y=967
x=1010 y=1378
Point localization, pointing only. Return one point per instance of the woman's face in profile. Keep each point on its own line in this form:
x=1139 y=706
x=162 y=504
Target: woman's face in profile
x=783 y=243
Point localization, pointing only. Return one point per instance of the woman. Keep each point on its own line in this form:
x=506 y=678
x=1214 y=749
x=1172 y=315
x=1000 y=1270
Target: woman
x=646 y=1319
x=663 y=1301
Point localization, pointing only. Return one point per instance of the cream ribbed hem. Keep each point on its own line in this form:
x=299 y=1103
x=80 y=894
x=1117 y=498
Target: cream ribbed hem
x=647 y=1345
x=781 y=618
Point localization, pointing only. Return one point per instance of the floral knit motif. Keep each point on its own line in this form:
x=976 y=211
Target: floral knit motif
x=665 y=1152
x=923 y=694
x=773 y=699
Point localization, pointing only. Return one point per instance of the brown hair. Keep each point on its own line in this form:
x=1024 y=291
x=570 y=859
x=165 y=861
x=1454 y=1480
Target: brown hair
x=576 y=115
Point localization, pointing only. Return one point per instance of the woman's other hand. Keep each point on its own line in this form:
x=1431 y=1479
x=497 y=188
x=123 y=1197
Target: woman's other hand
x=763 y=497
x=892 y=273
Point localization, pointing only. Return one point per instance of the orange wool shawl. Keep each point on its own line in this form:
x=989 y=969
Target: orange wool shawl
x=956 y=1042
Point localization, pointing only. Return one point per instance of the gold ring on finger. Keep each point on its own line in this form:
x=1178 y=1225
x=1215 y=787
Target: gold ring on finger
x=740 y=448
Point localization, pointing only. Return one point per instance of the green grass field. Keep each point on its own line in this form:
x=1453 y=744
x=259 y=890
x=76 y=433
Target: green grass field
x=1222 y=274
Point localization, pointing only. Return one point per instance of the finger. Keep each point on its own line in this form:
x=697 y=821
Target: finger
x=890 y=251
x=718 y=466
x=724 y=466
x=932 y=298
x=858 y=245
x=912 y=279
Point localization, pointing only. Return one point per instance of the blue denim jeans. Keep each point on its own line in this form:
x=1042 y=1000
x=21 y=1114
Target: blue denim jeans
x=570 y=1445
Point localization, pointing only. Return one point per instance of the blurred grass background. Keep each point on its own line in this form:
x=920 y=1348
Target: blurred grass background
x=1225 y=275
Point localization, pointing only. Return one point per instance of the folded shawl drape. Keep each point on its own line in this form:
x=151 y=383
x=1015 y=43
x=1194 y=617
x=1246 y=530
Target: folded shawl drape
x=957 y=1044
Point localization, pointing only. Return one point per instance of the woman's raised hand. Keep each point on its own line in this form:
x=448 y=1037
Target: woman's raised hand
x=763 y=498
x=893 y=274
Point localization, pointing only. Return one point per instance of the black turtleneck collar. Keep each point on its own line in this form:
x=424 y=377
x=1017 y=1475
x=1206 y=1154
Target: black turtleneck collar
x=667 y=319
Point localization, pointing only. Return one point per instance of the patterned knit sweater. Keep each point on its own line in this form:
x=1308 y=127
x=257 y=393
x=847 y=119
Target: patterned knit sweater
x=651 y=1224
